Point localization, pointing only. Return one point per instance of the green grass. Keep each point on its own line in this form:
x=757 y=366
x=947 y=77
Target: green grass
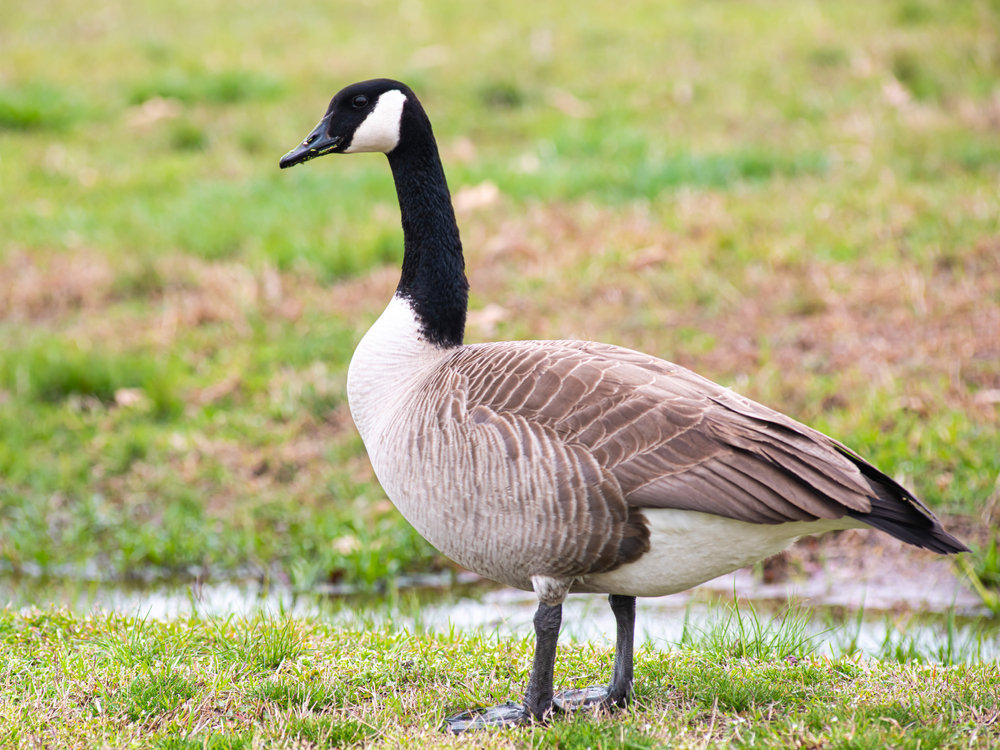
x=206 y=86
x=798 y=200
x=736 y=634
x=39 y=106
x=72 y=681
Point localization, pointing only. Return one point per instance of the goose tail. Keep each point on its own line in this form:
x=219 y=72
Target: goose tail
x=899 y=513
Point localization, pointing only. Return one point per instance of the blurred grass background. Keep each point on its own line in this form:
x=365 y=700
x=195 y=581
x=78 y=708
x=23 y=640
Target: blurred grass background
x=797 y=199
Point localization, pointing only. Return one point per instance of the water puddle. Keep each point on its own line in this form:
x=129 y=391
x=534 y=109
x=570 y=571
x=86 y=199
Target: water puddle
x=878 y=604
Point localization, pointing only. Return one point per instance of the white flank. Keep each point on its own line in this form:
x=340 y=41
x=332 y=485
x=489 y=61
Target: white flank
x=687 y=548
x=380 y=130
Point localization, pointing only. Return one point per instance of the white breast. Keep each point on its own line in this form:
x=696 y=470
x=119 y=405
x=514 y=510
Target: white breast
x=387 y=367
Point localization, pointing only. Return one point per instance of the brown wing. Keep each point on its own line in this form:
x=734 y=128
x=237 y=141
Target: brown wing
x=670 y=438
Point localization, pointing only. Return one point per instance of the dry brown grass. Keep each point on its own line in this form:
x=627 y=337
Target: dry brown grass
x=931 y=335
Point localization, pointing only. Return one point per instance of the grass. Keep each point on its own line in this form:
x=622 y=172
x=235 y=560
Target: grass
x=737 y=634
x=270 y=681
x=797 y=200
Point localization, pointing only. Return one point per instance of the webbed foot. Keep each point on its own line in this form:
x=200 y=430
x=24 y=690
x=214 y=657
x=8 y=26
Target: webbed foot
x=593 y=697
x=508 y=714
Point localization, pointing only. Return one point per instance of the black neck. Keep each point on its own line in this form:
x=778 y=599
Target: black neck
x=433 y=276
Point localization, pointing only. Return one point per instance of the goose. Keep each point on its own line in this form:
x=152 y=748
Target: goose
x=570 y=466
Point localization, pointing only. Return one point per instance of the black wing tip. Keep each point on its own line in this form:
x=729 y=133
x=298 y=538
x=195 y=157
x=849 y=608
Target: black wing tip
x=932 y=537
x=897 y=512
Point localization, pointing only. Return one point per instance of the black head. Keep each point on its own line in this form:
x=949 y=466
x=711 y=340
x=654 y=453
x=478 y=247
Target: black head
x=365 y=116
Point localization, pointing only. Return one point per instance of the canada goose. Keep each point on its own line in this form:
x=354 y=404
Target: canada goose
x=570 y=466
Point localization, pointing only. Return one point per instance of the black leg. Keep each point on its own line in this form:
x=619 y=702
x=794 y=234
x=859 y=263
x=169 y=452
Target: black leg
x=538 y=698
x=620 y=689
x=619 y=692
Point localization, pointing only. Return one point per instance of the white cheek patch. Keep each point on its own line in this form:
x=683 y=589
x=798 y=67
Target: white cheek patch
x=380 y=130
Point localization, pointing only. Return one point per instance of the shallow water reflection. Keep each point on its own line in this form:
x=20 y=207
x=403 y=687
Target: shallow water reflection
x=932 y=616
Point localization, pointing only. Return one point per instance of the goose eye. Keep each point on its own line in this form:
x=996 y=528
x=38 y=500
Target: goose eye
x=359 y=101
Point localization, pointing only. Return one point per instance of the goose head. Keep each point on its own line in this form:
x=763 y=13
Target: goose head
x=364 y=117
